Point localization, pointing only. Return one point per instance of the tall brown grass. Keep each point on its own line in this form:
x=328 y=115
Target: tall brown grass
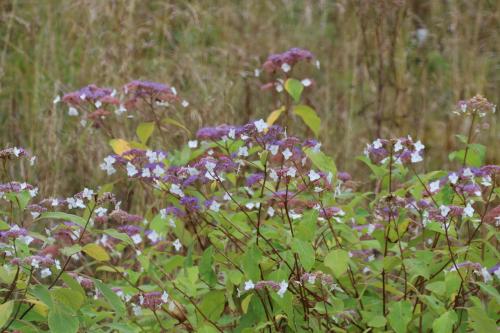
x=376 y=79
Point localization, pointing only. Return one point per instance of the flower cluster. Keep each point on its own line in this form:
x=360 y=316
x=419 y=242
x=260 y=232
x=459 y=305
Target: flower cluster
x=402 y=151
x=476 y=105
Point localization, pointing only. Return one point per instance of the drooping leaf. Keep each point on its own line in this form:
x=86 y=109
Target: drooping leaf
x=63 y=216
x=309 y=117
x=119 y=146
x=96 y=251
x=274 y=116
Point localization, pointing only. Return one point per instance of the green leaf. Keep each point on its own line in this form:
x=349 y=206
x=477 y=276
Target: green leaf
x=480 y=321
x=111 y=297
x=5 y=312
x=144 y=131
x=306 y=253
x=246 y=302
x=73 y=284
x=377 y=321
x=119 y=235
x=250 y=262
x=294 y=87
x=61 y=320
x=63 y=216
x=322 y=161
x=400 y=314
x=206 y=271
x=306 y=227
x=170 y=121
x=69 y=251
x=309 y=117
x=68 y=297
x=4 y=225
x=337 y=261
x=444 y=324
x=96 y=251
x=212 y=304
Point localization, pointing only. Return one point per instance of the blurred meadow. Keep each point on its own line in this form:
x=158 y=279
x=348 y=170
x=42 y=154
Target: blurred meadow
x=387 y=68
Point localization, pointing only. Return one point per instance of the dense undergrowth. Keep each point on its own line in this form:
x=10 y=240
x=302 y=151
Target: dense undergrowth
x=251 y=229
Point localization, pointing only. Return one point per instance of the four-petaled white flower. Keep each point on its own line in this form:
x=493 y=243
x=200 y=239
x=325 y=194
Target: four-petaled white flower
x=164 y=297
x=248 y=285
x=261 y=125
x=287 y=154
x=131 y=170
x=453 y=178
x=193 y=144
x=313 y=175
x=72 y=112
x=45 y=273
x=243 y=151
x=468 y=210
x=185 y=103
x=286 y=67
x=434 y=186
x=416 y=157
x=444 y=210
x=283 y=288
x=306 y=82
x=177 y=245
x=215 y=206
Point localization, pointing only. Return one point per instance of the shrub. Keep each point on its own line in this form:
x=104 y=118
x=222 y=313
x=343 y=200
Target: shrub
x=248 y=228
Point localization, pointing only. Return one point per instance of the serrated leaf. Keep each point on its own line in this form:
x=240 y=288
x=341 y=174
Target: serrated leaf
x=111 y=297
x=309 y=117
x=400 y=314
x=294 y=87
x=274 y=116
x=444 y=324
x=96 y=251
x=337 y=261
x=5 y=312
x=144 y=131
x=60 y=320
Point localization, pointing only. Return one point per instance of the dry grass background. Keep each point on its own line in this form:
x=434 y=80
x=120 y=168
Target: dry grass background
x=376 y=78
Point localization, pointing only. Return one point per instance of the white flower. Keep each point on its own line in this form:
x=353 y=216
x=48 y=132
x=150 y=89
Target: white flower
x=45 y=273
x=120 y=110
x=286 y=67
x=306 y=82
x=311 y=278
x=434 y=186
x=87 y=193
x=193 y=144
x=57 y=99
x=486 y=181
x=243 y=151
x=137 y=310
x=444 y=210
x=273 y=175
x=158 y=171
x=26 y=239
x=468 y=210
x=177 y=245
x=419 y=146
x=58 y=264
x=317 y=64
x=72 y=112
x=248 y=285
x=74 y=203
x=453 y=178
x=164 y=297
x=33 y=192
x=32 y=160
x=398 y=146
x=294 y=216
x=131 y=170
x=279 y=88
x=215 y=206
x=145 y=173
x=101 y=211
x=415 y=157
x=283 y=288
x=486 y=275
x=153 y=236
x=313 y=175
x=291 y=172
x=371 y=229
x=98 y=104
x=270 y=211
x=287 y=154
x=256 y=72
x=261 y=125
x=185 y=103
x=175 y=189
x=377 y=144
x=273 y=149
x=497 y=273
x=83 y=96
x=137 y=239
x=468 y=172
